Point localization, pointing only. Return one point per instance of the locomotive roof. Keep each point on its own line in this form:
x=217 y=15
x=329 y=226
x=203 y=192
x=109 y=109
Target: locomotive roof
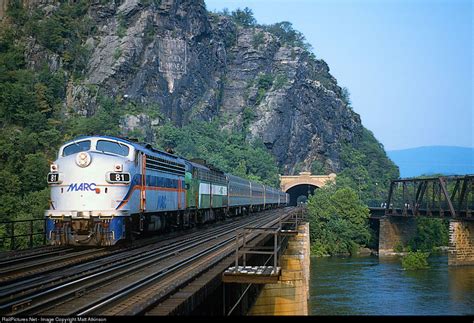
x=145 y=147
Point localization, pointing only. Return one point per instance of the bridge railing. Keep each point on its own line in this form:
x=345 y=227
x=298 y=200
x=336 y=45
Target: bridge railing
x=22 y=234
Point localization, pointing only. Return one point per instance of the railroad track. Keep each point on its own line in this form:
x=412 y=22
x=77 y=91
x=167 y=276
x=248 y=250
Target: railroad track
x=26 y=265
x=45 y=262
x=145 y=294
x=84 y=288
x=10 y=258
x=155 y=283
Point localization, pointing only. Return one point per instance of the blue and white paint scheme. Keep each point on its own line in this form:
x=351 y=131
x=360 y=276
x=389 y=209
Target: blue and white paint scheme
x=106 y=189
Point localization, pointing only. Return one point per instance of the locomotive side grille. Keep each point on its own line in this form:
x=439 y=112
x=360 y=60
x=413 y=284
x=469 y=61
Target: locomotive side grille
x=164 y=165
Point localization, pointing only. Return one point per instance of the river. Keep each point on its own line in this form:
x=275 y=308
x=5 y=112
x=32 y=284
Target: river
x=373 y=286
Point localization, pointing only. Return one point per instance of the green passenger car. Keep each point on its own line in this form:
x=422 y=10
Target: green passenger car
x=206 y=187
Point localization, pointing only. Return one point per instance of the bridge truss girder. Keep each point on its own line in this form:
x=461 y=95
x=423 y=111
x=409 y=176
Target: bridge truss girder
x=443 y=196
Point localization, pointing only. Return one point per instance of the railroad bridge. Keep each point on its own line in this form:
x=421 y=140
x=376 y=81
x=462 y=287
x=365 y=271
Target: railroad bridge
x=180 y=273
x=301 y=186
x=444 y=197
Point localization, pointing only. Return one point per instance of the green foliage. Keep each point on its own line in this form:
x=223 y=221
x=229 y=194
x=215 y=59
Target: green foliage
x=338 y=221
x=64 y=32
x=149 y=2
x=264 y=83
x=106 y=121
x=122 y=26
x=260 y=95
x=225 y=150
x=367 y=169
x=415 y=260
x=247 y=116
x=117 y=53
x=345 y=95
x=398 y=247
x=280 y=81
x=318 y=168
x=32 y=124
x=288 y=35
x=318 y=249
x=34 y=171
x=244 y=17
x=152 y=110
x=430 y=233
x=298 y=168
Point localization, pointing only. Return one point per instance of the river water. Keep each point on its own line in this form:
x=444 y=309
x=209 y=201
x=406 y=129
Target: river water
x=379 y=286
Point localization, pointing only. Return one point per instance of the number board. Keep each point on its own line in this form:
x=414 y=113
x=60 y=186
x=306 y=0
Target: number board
x=53 y=178
x=119 y=177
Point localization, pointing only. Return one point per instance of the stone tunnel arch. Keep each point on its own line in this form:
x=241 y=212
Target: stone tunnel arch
x=301 y=186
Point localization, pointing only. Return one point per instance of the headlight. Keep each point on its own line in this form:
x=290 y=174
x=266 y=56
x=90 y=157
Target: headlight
x=83 y=159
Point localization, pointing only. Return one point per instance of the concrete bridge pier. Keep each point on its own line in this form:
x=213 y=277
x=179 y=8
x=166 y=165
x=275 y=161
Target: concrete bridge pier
x=461 y=243
x=395 y=230
x=289 y=296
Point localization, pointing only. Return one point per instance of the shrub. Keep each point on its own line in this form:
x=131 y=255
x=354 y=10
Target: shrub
x=415 y=260
x=398 y=247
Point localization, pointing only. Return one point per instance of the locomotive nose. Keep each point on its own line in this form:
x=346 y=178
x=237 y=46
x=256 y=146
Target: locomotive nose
x=83 y=159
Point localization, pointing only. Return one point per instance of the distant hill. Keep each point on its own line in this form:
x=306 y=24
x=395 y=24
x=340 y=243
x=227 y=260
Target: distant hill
x=448 y=160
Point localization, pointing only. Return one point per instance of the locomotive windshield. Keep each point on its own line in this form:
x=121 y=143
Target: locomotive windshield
x=76 y=147
x=106 y=146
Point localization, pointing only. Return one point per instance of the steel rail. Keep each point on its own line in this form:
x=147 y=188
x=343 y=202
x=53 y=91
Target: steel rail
x=110 y=296
x=12 y=269
x=139 y=258
x=226 y=247
x=9 y=258
x=15 y=287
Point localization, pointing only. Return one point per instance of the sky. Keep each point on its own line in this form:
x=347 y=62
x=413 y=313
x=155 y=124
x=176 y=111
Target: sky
x=408 y=64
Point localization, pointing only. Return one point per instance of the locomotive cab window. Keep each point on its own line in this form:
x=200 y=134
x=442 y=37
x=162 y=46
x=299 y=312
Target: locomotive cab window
x=76 y=147
x=112 y=147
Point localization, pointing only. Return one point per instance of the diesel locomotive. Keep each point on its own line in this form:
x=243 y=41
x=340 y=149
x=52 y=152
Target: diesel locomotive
x=108 y=189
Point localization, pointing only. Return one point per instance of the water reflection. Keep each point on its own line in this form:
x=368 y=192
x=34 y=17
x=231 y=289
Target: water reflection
x=461 y=285
x=373 y=286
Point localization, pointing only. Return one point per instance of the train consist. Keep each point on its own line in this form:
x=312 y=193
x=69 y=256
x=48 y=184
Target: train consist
x=108 y=189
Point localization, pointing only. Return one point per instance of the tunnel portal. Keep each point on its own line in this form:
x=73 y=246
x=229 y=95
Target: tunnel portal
x=301 y=186
x=300 y=193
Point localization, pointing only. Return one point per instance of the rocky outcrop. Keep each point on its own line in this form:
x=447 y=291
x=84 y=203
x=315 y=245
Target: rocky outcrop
x=192 y=64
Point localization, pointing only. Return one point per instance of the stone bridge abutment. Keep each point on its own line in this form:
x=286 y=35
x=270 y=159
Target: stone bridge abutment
x=399 y=230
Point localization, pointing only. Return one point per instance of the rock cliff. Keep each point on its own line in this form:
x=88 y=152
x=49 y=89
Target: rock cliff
x=193 y=64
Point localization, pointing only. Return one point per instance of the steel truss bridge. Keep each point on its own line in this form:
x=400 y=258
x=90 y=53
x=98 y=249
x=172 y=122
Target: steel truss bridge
x=442 y=197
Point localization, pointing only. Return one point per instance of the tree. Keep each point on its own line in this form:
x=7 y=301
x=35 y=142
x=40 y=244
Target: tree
x=338 y=221
x=244 y=17
x=288 y=35
x=228 y=151
x=346 y=96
